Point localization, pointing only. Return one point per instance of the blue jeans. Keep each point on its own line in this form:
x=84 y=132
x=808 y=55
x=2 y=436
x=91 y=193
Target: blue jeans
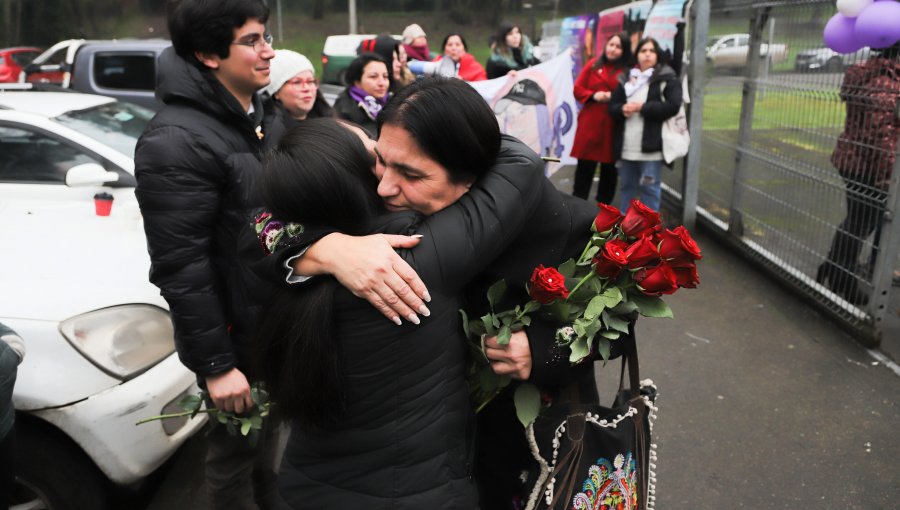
x=641 y=180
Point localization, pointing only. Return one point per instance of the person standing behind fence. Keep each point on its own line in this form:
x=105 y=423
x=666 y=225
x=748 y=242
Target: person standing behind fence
x=645 y=97
x=455 y=48
x=594 y=137
x=368 y=90
x=294 y=90
x=864 y=156
x=511 y=50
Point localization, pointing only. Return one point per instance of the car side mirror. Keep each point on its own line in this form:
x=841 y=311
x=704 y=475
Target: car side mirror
x=89 y=174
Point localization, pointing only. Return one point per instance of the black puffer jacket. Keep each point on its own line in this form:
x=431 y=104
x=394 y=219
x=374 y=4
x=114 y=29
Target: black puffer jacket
x=658 y=107
x=196 y=164
x=405 y=442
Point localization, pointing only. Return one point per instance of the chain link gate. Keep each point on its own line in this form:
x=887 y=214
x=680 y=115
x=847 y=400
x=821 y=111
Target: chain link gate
x=766 y=115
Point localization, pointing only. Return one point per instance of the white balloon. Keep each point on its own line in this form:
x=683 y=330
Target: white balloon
x=852 y=8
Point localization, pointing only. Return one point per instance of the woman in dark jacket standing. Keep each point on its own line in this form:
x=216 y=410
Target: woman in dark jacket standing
x=594 y=137
x=368 y=90
x=511 y=50
x=648 y=95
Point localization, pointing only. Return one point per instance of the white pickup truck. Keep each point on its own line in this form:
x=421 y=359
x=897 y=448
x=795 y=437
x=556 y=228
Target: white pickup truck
x=731 y=50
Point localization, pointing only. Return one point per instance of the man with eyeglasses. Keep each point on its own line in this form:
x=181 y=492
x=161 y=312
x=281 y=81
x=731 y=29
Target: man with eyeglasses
x=195 y=166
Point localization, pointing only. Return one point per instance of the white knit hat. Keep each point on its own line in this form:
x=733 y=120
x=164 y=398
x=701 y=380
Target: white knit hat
x=285 y=65
x=411 y=32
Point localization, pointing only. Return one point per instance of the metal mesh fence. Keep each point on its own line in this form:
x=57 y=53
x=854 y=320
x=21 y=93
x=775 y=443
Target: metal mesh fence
x=776 y=104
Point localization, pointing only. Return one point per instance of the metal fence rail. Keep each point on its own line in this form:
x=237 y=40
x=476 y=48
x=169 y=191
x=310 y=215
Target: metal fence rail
x=761 y=174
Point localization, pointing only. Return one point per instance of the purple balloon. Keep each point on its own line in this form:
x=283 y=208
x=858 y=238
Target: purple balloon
x=839 y=34
x=878 y=25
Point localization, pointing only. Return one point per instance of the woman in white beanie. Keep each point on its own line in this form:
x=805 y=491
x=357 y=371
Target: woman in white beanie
x=293 y=88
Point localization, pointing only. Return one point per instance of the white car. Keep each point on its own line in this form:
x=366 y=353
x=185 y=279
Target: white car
x=74 y=285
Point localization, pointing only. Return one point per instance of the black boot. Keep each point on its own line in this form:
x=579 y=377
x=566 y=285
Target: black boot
x=841 y=282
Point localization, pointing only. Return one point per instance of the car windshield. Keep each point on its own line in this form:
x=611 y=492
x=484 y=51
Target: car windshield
x=118 y=125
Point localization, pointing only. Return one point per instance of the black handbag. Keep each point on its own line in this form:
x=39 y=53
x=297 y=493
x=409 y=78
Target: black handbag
x=594 y=457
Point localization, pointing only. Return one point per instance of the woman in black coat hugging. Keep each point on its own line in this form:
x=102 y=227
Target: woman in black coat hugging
x=380 y=414
x=646 y=96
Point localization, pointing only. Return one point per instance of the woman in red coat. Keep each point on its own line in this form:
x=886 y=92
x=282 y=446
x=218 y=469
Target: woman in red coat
x=455 y=47
x=594 y=136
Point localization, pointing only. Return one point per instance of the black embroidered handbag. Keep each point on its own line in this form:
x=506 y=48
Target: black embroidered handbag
x=594 y=457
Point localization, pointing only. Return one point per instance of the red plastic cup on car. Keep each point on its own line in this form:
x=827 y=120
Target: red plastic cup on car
x=103 y=203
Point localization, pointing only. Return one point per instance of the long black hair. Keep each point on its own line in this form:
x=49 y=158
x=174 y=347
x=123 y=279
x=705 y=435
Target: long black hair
x=624 y=60
x=319 y=174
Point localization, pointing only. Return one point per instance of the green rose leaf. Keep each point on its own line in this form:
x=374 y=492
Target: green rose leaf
x=528 y=403
x=465 y=322
x=495 y=293
x=256 y=422
x=590 y=253
x=597 y=304
x=612 y=335
x=651 y=306
x=611 y=297
x=504 y=335
x=526 y=321
x=567 y=268
x=625 y=308
x=579 y=349
x=222 y=417
x=245 y=426
x=190 y=403
x=616 y=323
x=488 y=321
x=603 y=346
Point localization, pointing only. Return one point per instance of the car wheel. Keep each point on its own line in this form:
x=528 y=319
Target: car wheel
x=53 y=474
x=834 y=65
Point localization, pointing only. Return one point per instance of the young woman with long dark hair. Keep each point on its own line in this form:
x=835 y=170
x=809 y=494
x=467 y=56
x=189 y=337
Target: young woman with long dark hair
x=646 y=96
x=594 y=137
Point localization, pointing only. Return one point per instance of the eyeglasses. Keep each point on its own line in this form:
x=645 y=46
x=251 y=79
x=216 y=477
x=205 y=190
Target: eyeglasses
x=257 y=43
x=303 y=83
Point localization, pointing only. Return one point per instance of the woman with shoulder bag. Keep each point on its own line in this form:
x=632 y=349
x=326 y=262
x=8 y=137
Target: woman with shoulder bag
x=648 y=95
x=594 y=136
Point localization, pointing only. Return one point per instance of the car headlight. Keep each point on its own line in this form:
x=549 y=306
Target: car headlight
x=123 y=341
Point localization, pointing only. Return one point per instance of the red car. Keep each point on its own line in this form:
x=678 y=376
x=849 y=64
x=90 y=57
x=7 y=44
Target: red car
x=12 y=60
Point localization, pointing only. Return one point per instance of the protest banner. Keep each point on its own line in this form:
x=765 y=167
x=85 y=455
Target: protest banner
x=537 y=107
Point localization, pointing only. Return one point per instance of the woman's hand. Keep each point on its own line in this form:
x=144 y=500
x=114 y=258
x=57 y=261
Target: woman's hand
x=631 y=108
x=513 y=359
x=602 y=97
x=370 y=268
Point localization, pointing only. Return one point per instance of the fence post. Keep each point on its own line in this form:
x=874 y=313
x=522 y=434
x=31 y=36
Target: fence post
x=889 y=244
x=748 y=104
x=697 y=74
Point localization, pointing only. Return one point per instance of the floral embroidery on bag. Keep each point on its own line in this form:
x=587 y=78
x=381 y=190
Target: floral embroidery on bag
x=271 y=232
x=610 y=486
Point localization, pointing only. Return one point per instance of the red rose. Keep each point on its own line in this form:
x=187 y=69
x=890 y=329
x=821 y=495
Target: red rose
x=658 y=280
x=678 y=247
x=547 y=284
x=610 y=259
x=642 y=253
x=607 y=218
x=640 y=220
x=687 y=276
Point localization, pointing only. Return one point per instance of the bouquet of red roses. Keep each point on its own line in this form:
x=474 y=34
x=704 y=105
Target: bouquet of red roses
x=629 y=262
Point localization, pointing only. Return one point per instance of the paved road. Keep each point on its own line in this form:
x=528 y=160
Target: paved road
x=764 y=403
